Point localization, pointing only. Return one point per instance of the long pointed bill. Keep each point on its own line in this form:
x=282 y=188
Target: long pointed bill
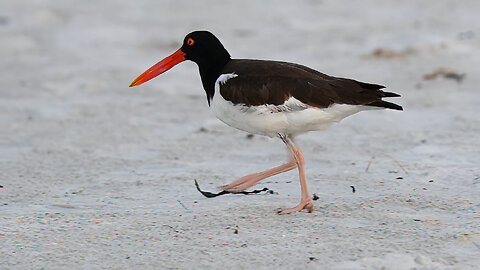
x=160 y=67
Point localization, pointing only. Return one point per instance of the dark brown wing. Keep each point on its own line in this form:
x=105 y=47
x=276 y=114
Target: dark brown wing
x=269 y=82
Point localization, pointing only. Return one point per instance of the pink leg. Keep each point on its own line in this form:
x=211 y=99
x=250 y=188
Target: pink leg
x=306 y=201
x=252 y=179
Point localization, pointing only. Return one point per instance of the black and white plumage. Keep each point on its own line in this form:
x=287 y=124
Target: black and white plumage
x=271 y=98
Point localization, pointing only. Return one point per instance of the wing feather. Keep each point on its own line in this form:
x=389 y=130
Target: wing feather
x=273 y=83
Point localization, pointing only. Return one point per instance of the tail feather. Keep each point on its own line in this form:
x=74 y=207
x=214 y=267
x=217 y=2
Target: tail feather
x=371 y=86
x=381 y=94
x=390 y=94
x=386 y=104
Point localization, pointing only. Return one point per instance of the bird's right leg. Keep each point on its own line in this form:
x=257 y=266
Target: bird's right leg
x=306 y=201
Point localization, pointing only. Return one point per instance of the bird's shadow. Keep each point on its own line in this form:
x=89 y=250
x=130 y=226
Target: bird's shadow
x=224 y=192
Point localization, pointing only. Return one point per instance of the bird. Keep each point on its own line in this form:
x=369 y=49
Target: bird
x=271 y=98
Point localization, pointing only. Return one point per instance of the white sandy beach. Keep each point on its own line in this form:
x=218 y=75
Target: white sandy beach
x=97 y=175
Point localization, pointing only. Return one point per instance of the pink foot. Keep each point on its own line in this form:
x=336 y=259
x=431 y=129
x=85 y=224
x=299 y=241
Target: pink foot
x=304 y=204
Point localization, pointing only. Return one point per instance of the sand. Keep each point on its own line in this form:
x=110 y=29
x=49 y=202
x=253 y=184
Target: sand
x=97 y=175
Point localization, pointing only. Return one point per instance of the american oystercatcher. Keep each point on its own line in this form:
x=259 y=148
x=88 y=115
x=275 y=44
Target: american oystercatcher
x=275 y=99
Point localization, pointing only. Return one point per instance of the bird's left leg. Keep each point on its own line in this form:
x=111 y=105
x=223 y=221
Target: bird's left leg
x=306 y=201
x=252 y=179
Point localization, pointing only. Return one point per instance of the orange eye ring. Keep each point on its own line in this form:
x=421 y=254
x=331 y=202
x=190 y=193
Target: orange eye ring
x=190 y=42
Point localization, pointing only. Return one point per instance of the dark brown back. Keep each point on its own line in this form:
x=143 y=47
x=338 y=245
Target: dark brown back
x=269 y=82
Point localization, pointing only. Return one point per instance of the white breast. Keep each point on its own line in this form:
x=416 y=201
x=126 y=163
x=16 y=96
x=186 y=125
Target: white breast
x=291 y=118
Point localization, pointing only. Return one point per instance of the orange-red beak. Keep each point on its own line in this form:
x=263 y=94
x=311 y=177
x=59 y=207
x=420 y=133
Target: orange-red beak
x=160 y=67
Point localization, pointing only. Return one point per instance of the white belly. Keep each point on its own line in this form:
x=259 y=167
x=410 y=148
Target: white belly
x=291 y=118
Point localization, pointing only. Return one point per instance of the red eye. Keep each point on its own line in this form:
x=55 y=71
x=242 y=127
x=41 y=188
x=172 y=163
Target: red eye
x=190 y=42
